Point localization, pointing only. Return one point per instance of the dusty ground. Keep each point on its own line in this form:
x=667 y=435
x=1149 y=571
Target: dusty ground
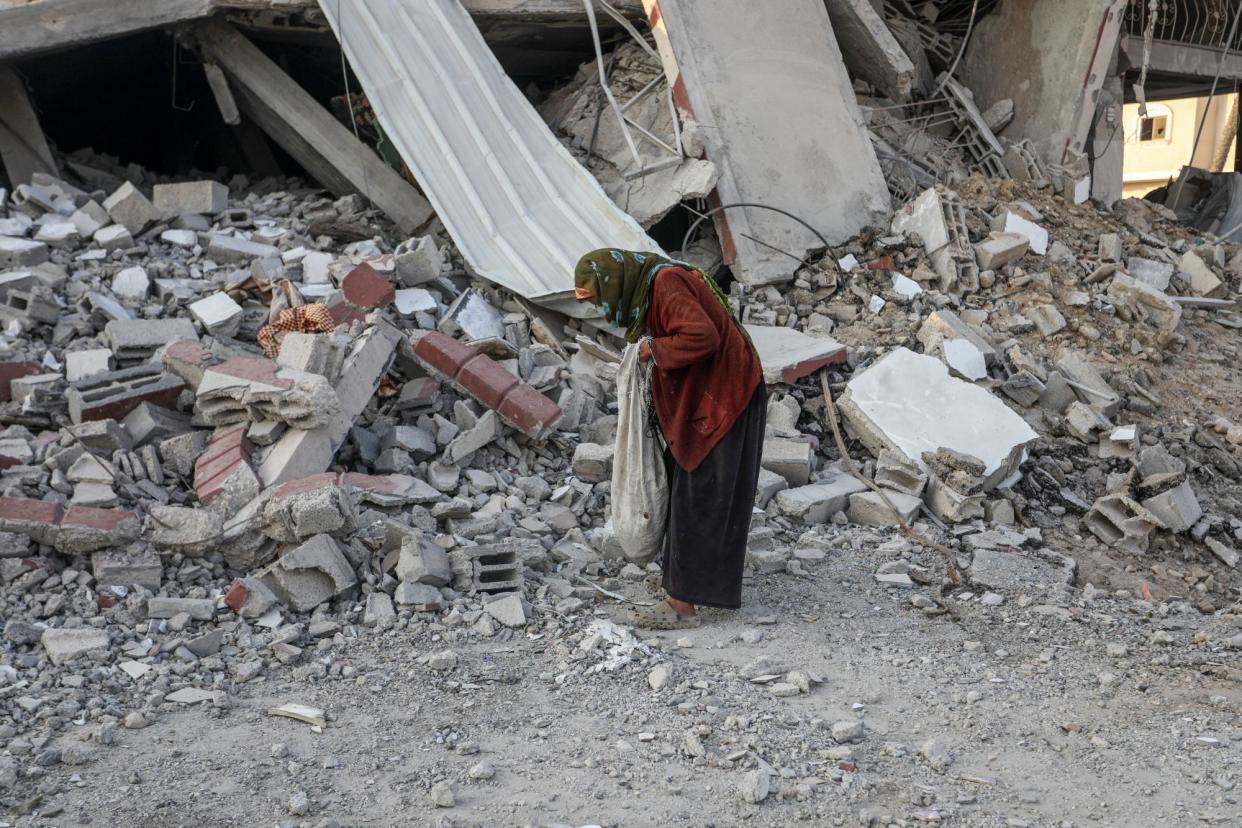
x=1043 y=724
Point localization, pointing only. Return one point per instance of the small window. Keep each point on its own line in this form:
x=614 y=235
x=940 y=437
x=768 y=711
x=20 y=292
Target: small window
x=1154 y=128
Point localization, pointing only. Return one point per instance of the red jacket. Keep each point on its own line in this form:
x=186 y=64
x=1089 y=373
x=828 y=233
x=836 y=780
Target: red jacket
x=706 y=371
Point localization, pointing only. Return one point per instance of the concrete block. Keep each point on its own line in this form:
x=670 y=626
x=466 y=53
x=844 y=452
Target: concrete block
x=113 y=237
x=423 y=562
x=64 y=645
x=592 y=462
x=18 y=252
x=191 y=532
x=418 y=261
x=218 y=314
x=787 y=355
x=199 y=609
x=228 y=249
x=817 y=502
x=791 y=459
x=1000 y=249
x=205 y=197
x=128 y=567
x=131 y=284
x=131 y=209
x=149 y=423
x=136 y=340
x=488 y=567
x=1121 y=522
x=421 y=597
x=1178 y=508
x=908 y=402
x=82 y=364
x=102 y=436
x=180 y=453
x=869 y=509
x=315 y=572
x=115 y=394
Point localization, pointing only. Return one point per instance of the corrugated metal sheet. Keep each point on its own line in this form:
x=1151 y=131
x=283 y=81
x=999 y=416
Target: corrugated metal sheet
x=520 y=208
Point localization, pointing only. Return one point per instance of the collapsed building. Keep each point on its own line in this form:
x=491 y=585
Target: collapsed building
x=289 y=331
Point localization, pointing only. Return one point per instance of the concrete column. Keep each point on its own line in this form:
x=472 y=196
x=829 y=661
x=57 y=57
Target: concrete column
x=1108 y=143
x=1051 y=58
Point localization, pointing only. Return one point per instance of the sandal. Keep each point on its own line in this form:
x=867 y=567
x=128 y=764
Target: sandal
x=660 y=616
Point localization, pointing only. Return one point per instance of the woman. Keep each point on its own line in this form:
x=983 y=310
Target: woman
x=711 y=403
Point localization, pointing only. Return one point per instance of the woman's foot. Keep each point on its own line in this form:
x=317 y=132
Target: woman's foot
x=669 y=614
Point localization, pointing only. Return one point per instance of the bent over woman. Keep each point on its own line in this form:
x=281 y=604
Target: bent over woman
x=711 y=404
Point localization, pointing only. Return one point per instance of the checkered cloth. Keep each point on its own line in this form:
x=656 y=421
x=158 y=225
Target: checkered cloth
x=303 y=319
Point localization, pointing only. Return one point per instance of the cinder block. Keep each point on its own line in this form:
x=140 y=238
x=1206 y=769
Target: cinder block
x=113 y=395
x=16 y=252
x=225 y=248
x=313 y=573
x=149 y=423
x=818 y=502
x=135 y=340
x=791 y=459
x=205 y=197
x=131 y=209
x=869 y=509
x=487 y=568
x=113 y=237
x=139 y=565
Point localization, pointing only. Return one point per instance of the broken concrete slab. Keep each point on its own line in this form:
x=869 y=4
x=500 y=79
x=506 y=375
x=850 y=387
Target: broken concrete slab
x=787 y=355
x=255 y=389
x=1087 y=382
x=944 y=324
x=908 y=402
x=1017 y=572
x=869 y=49
x=1138 y=301
x=64 y=645
x=1007 y=221
x=1202 y=279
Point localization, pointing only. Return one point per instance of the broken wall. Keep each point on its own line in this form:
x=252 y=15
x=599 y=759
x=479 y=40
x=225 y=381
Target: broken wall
x=1051 y=58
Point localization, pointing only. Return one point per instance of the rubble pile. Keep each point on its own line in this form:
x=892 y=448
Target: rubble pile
x=1065 y=359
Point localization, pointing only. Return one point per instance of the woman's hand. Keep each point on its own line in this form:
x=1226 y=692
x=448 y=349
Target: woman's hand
x=644 y=350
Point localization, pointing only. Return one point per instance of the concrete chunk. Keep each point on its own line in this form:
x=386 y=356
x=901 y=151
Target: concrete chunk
x=1203 y=280
x=131 y=209
x=791 y=459
x=218 y=314
x=1000 y=249
x=422 y=562
x=313 y=573
x=817 y=502
x=787 y=355
x=869 y=509
x=1121 y=522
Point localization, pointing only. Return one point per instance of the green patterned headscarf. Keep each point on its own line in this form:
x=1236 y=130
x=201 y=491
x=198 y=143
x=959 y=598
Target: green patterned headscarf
x=620 y=283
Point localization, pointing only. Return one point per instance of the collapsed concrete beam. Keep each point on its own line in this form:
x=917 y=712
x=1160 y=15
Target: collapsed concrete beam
x=869 y=48
x=23 y=148
x=760 y=81
x=1055 y=100
x=307 y=131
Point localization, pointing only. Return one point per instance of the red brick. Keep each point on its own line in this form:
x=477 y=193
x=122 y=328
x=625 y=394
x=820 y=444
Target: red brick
x=344 y=313
x=485 y=380
x=90 y=518
x=529 y=411
x=443 y=354
x=235 y=597
x=28 y=509
x=10 y=371
x=219 y=466
x=364 y=287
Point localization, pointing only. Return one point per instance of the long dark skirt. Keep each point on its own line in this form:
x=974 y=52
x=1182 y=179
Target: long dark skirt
x=709 y=514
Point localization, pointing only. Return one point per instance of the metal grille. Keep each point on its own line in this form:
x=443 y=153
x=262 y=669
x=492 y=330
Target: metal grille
x=1191 y=22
